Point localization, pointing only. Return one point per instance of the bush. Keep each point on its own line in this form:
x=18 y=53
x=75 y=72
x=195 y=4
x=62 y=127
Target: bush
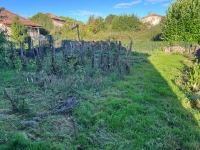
x=194 y=77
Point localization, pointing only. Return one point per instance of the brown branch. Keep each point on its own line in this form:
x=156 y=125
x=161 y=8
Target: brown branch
x=14 y=107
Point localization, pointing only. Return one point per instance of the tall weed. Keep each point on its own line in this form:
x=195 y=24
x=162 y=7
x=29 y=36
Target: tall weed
x=194 y=77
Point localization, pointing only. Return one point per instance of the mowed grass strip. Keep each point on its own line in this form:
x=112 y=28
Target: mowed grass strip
x=145 y=110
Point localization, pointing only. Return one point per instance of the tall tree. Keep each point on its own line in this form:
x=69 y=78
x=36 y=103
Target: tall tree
x=100 y=23
x=45 y=21
x=18 y=30
x=92 y=24
x=182 y=21
x=109 y=19
x=96 y=24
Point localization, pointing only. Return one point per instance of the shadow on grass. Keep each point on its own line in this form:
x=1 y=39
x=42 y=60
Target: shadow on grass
x=142 y=111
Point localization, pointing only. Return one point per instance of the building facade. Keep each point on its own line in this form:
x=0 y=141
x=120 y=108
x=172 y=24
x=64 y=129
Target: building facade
x=57 y=22
x=152 y=19
x=6 y=18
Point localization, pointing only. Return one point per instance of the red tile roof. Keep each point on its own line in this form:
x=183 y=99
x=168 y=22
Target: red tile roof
x=7 y=17
x=55 y=17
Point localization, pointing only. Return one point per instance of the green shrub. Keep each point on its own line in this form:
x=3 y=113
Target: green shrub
x=194 y=77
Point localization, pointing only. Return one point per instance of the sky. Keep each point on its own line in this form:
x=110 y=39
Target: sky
x=82 y=9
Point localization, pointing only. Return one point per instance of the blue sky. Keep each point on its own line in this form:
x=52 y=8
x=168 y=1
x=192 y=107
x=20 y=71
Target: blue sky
x=82 y=9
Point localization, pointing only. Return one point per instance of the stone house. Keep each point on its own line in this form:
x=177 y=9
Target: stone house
x=57 y=22
x=152 y=19
x=6 y=18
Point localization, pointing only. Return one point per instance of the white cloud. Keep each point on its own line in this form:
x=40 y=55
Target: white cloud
x=154 y=1
x=127 y=5
x=85 y=13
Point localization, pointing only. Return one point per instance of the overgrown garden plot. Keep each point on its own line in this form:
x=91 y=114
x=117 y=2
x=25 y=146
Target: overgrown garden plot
x=145 y=109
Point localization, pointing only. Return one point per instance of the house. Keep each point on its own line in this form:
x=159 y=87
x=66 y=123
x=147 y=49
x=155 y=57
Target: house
x=152 y=19
x=58 y=22
x=6 y=21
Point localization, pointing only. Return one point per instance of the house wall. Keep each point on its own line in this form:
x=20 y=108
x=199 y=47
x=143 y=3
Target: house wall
x=33 y=31
x=30 y=30
x=153 y=20
x=5 y=28
x=57 y=23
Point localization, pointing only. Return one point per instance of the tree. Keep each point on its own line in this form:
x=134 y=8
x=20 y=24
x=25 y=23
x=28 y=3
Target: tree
x=92 y=24
x=45 y=21
x=96 y=25
x=109 y=19
x=18 y=30
x=2 y=33
x=3 y=40
x=100 y=23
x=182 y=21
x=125 y=23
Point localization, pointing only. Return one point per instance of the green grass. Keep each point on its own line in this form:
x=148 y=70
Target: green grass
x=147 y=109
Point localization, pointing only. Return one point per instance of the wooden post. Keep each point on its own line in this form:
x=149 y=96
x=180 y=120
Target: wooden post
x=108 y=57
x=82 y=53
x=71 y=49
x=93 y=54
x=115 y=54
x=37 y=53
x=128 y=50
x=21 y=49
x=12 y=55
x=32 y=48
x=29 y=44
x=39 y=48
x=66 y=52
x=190 y=49
x=119 y=59
x=100 y=55
x=54 y=52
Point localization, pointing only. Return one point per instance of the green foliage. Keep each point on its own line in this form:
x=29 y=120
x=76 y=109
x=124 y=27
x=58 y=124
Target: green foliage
x=96 y=25
x=143 y=110
x=71 y=21
x=3 y=40
x=126 y=23
x=109 y=19
x=20 y=142
x=19 y=31
x=194 y=77
x=3 y=49
x=45 y=21
x=182 y=21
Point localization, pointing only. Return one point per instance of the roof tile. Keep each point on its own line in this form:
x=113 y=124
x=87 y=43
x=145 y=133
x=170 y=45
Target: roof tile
x=7 y=17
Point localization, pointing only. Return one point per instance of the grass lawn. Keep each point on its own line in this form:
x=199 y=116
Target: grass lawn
x=147 y=109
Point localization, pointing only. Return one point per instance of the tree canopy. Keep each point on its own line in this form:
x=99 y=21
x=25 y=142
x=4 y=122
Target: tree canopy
x=182 y=21
x=45 y=21
x=126 y=23
x=95 y=24
x=109 y=19
x=19 y=31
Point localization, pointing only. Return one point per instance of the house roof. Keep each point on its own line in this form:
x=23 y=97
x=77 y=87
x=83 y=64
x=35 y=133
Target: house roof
x=151 y=15
x=7 y=17
x=55 y=17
